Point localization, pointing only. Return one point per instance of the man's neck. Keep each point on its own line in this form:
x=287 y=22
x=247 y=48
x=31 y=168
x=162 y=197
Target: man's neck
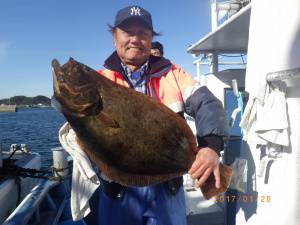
x=133 y=68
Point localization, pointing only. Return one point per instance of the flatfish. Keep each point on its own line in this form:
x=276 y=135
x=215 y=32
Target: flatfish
x=131 y=137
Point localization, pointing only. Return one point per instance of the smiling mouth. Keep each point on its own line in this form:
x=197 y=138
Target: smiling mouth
x=135 y=48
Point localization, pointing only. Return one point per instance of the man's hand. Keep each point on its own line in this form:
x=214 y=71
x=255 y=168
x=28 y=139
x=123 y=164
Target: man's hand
x=206 y=162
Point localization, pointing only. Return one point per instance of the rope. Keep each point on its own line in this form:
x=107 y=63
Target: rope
x=57 y=176
x=15 y=171
x=11 y=155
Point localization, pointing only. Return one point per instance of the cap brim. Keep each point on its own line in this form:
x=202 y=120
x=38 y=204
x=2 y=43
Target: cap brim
x=137 y=18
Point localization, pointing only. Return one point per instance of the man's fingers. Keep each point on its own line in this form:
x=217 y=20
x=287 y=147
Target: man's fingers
x=204 y=177
x=198 y=172
x=206 y=163
x=195 y=166
x=217 y=177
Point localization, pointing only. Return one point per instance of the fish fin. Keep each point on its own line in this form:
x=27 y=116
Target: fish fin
x=128 y=179
x=56 y=104
x=136 y=180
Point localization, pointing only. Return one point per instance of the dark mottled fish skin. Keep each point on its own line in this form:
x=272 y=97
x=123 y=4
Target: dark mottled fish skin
x=133 y=139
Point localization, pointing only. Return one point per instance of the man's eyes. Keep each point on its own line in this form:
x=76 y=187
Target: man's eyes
x=138 y=33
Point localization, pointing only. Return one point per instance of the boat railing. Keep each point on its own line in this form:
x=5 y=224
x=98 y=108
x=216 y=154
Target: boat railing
x=47 y=203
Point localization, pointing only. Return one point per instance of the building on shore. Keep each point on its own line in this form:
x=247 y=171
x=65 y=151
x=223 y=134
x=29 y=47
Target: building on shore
x=8 y=108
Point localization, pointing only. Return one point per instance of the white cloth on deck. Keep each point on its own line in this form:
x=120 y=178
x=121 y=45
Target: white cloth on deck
x=271 y=117
x=273 y=36
x=84 y=179
x=267 y=122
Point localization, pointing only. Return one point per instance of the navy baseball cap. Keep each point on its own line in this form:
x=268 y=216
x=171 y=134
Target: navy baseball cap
x=133 y=12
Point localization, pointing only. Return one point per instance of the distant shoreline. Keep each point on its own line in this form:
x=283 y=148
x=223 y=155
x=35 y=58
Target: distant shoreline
x=24 y=101
x=15 y=108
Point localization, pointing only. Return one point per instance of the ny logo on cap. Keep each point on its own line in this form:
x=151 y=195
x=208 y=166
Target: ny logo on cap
x=135 y=11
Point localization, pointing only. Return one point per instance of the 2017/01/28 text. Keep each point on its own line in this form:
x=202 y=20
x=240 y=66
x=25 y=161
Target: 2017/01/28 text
x=243 y=198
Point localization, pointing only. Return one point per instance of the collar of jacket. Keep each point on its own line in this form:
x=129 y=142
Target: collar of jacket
x=157 y=65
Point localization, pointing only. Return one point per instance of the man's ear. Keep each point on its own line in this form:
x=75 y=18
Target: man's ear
x=114 y=39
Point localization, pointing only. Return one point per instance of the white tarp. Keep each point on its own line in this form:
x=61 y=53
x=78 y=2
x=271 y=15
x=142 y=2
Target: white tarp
x=272 y=117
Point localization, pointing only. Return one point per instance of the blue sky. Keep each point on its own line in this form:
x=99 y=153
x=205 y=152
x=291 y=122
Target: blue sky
x=33 y=32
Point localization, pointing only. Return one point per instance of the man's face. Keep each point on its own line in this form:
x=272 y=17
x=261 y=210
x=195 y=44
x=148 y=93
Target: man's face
x=133 y=42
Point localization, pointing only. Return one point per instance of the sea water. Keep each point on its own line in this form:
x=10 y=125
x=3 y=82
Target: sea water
x=36 y=127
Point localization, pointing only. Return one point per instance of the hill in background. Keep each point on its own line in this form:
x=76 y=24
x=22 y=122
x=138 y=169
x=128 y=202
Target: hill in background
x=23 y=100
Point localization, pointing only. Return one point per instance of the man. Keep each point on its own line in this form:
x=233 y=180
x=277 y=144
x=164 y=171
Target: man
x=157 y=49
x=132 y=65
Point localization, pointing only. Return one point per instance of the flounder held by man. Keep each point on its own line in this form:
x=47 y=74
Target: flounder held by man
x=132 y=138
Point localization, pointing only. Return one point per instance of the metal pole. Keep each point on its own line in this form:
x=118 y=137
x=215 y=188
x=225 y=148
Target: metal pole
x=214 y=25
x=201 y=77
x=198 y=71
x=60 y=162
x=214 y=14
x=214 y=67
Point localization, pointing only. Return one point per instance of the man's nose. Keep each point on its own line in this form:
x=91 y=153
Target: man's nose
x=135 y=38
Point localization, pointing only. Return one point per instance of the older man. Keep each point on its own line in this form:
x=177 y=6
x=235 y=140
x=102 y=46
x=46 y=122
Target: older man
x=132 y=65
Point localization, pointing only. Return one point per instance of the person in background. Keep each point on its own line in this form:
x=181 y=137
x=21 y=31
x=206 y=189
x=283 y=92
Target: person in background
x=132 y=65
x=157 y=49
